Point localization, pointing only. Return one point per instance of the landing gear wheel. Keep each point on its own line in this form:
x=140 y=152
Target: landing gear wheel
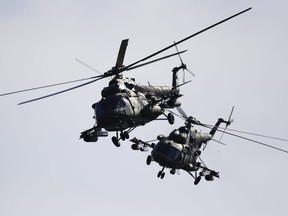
x=172 y=171
x=115 y=141
x=134 y=146
x=197 y=180
x=122 y=136
x=126 y=134
x=171 y=119
x=148 y=160
x=161 y=174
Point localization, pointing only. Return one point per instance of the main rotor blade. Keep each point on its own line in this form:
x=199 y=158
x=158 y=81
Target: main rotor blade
x=182 y=112
x=159 y=59
x=176 y=114
x=88 y=66
x=259 y=135
x=60 y=92
x=258 y=142
x=219 y=142
x=51 y=85
x=193 y=35
x=248 y=139
x=248 y=133
x=121 y=53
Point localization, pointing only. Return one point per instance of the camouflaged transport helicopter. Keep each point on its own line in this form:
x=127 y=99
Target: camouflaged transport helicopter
x=126 y=105
x=182 y=149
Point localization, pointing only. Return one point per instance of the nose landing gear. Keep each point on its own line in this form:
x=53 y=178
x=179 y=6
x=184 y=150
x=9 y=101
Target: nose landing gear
x=115 y=141
x=123 y=136
x=161 y=173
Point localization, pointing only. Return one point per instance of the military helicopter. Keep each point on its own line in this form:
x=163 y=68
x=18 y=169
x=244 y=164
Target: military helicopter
x=124 y=104
x=183 y=147
x=181 y=150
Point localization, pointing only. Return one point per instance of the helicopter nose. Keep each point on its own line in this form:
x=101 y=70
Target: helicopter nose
x=162 y=158
x=106 y=118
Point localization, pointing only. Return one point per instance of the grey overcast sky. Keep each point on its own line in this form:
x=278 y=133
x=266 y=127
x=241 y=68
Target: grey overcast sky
x=46 y=170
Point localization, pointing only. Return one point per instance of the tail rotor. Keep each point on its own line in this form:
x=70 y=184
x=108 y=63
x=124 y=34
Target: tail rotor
x=227 y=123
x=183 y=66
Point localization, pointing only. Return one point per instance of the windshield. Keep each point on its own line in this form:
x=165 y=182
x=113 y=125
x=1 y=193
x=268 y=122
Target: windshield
x=113 y=102
x=167 y=150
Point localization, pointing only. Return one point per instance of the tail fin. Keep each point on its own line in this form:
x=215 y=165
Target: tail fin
x=175 y=81
x=216 y=126
x=220 y=120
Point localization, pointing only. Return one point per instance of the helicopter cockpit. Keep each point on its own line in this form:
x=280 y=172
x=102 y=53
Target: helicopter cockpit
x=107 y=107
x=166 y=151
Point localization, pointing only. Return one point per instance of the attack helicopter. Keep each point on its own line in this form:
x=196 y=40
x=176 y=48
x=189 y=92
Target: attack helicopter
x=183 y=147
x=124 y=104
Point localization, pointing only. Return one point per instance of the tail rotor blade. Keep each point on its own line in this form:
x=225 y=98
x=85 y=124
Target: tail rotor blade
x=229 y=119
x=227 y=123
x=178 y=52
x=180 y=61
x=190 y=72
x=184 y=67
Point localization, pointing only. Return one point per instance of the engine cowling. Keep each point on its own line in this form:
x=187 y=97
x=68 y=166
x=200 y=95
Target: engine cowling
x=173 y=103
x=152 y=110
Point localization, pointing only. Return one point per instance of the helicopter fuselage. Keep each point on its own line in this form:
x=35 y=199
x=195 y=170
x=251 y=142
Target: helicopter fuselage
x=181 y=150
x=124 y=105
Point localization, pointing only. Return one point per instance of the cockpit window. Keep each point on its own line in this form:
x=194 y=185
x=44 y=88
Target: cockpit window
x=110 y=103
x=168 y=150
